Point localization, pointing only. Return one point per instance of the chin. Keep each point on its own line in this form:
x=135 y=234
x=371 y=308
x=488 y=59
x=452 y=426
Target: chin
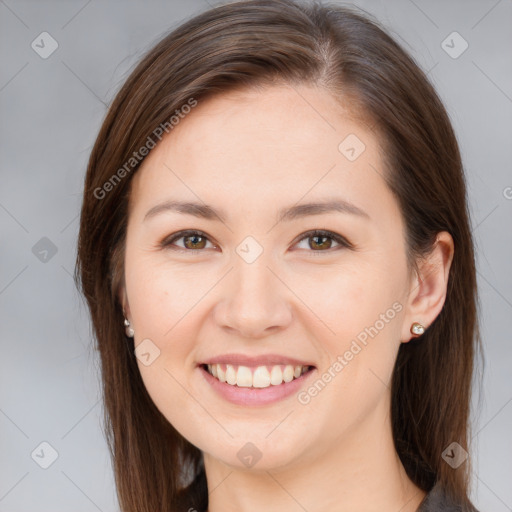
x=256 y=454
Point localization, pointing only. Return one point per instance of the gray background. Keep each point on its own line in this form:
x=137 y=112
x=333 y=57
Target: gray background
x=51 y=110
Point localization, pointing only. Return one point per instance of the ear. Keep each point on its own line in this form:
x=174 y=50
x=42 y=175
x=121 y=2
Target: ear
x=123 y=300
x=427 y=291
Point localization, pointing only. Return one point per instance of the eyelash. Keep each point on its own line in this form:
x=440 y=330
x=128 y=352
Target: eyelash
x=167 y=242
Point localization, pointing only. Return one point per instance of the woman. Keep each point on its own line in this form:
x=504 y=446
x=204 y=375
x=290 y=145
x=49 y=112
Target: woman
x=275 y=248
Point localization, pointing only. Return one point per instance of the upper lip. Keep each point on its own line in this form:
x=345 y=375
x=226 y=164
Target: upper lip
x=263 y=360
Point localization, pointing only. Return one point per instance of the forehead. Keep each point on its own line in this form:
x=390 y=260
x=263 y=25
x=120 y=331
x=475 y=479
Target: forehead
x=264 y=146
x=266 y=126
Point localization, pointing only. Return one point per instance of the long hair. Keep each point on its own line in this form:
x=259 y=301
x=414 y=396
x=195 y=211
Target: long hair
x=257 y=43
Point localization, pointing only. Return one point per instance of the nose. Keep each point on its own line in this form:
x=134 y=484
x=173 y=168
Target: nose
x=255 y=302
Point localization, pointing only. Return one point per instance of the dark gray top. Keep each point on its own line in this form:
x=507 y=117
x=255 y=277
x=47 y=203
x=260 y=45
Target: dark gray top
x=437 y=501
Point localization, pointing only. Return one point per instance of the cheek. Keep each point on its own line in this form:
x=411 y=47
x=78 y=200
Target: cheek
x=349 y=298
x=161 y=296
x=362 y=309
x=161 y=306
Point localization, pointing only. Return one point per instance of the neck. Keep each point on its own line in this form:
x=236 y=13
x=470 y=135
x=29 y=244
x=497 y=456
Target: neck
x=360 y=472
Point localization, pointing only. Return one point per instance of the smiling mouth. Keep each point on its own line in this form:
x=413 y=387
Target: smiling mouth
x=256 y=377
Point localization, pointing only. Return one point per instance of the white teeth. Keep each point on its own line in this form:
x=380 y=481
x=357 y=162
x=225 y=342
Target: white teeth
x=230 y=375
x=221 y=374
x=260 y=377
x=288 y=373
x=276 y=376
x=244 y=377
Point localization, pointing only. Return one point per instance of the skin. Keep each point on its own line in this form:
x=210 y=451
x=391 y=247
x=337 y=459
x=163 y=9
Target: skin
x=251 y=153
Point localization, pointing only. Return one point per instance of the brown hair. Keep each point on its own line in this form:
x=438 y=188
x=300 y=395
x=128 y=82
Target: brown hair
x=248 y=44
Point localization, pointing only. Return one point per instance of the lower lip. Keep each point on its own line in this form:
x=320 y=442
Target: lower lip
x=256 y=396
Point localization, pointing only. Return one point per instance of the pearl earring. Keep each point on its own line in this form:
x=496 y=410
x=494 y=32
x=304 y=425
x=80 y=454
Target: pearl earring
x=417 y=328
x=129 y=330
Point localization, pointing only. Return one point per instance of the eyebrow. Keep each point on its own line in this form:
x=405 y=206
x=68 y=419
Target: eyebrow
x=205 y=211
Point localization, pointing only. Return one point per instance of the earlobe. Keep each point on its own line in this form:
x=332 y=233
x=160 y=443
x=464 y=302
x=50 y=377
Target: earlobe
x=123 y=300
x=427 y=294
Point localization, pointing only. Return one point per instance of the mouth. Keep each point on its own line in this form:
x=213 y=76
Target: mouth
x=258 y=377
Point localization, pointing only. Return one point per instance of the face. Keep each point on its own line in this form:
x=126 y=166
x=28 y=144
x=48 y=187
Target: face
x=254 y=281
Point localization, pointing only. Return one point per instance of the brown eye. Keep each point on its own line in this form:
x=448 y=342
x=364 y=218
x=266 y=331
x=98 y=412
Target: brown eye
x=192 y=241
x=318 y=241
x=322 y=241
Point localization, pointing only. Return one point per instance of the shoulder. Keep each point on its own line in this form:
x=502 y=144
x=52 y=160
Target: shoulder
x=438 y=501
